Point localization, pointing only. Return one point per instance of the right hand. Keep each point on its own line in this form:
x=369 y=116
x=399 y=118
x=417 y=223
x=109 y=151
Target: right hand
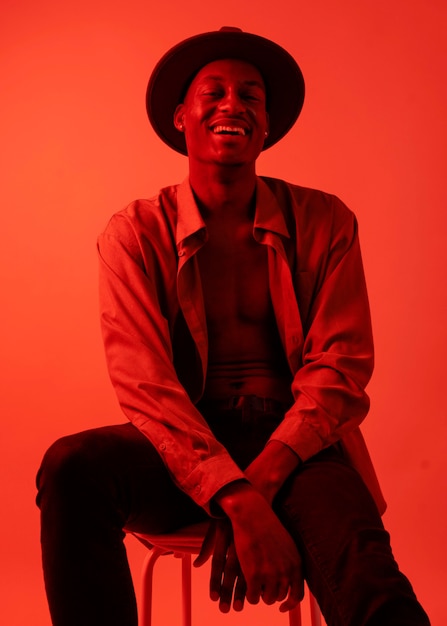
x=260 y=545
x=268 y=556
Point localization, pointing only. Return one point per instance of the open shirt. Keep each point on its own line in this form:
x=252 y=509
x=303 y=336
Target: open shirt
x=155 y=332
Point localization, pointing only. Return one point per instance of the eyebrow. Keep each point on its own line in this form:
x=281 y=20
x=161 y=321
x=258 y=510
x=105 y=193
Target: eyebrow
x=219 y=77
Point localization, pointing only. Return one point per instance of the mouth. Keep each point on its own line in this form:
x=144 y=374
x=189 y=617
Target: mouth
x=235 y=131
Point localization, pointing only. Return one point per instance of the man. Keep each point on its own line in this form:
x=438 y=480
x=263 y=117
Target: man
x=237 y=333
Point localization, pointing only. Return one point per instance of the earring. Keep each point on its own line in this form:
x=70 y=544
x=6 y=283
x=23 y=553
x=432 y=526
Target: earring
x=180 y=127
x=266 y=133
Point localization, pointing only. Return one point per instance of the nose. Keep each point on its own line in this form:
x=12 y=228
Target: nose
x=231 y=102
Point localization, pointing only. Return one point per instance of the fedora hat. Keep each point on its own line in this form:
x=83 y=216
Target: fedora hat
x=174 y=72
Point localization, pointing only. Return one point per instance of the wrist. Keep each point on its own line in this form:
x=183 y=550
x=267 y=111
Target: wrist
x=268 y=472
x=234 y=498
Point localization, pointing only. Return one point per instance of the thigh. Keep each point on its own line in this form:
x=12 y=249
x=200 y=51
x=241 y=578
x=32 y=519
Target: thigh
x=120 y=465
x=346 y=552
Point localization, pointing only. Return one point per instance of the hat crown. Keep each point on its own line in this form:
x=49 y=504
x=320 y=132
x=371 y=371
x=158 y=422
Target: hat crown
x=230 y=29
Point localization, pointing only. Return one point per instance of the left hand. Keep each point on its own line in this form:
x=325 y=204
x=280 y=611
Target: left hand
x=227 y=582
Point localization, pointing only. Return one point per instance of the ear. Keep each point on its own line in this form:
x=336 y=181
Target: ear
x=179 y=115
x=267 y=129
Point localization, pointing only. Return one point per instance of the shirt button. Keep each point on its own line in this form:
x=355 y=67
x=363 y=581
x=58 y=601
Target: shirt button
x=162 y=446
x=181 y=253
x=197 y=489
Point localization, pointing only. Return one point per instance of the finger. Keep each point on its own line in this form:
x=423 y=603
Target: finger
x=217 y=566
x=254 y=590
x=231 y=574
x=275 y=591
x=207 y=546
x=269 y=594
x=219 y=560
x=283 y=589
x=296 y=594
x=239 y=593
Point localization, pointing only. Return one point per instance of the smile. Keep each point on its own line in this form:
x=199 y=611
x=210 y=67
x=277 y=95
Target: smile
x=229 y=130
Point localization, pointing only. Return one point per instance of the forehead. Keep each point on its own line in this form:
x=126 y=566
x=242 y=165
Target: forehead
x=229 y=69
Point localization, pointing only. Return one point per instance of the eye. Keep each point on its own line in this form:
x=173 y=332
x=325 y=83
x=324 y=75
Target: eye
x=212 y=93
x=252 y=96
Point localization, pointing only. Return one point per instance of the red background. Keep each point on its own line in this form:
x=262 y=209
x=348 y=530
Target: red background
x=76 y=147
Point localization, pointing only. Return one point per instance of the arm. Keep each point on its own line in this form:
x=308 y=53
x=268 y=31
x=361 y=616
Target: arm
x=137 y=300
x=328 y=386
x=269 y=471
x=256 y=555
x=253 y=555
x=336 y=352
x=140 y=360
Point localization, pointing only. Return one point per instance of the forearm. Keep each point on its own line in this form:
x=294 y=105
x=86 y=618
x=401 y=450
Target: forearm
x=263 y=551
x=269 y=471
x=337 y=355
x=265 y=475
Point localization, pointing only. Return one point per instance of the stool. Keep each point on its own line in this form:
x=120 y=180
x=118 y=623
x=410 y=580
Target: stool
x=182 y=544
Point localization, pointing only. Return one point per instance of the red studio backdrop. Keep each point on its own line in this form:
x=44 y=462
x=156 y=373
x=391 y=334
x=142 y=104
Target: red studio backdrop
x=77 y=147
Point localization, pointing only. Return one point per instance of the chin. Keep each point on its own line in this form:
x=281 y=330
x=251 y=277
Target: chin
x=232 y=158
x=228 y=162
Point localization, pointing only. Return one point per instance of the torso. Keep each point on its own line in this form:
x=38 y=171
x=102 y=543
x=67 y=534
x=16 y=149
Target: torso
x=245 y=352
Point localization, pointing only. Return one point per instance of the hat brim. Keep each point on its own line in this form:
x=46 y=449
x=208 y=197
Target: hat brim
x=173 y=73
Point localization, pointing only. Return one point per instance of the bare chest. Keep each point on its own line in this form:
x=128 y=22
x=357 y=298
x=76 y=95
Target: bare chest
x=234 y=274
x=245 y=353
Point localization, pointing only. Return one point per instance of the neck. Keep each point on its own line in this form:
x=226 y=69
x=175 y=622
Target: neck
x=227 y=190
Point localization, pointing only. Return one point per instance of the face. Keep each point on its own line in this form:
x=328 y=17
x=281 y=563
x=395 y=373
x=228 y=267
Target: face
x=224 y=114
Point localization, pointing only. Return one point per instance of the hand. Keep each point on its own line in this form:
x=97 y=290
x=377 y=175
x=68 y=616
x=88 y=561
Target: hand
x=227 y=582
x=268 y=559
x=254 y=557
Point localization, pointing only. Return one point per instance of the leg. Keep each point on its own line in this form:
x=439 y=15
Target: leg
x=347 y=556
x=91 y=486
x=186 y=590
x=147 y=586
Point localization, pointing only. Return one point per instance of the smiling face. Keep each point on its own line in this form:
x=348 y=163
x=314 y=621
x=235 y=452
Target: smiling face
x=224 y=114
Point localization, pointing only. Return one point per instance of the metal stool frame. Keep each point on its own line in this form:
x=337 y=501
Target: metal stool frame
x=182 y=545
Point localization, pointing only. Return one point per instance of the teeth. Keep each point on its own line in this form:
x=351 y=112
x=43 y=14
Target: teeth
x=229 y=130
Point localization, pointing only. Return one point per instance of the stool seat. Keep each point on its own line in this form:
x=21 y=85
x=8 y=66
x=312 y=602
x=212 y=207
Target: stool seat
x=182 y=544
x=187 y=540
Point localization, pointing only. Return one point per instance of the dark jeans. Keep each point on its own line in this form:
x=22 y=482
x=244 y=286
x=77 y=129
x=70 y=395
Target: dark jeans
x=95 y=483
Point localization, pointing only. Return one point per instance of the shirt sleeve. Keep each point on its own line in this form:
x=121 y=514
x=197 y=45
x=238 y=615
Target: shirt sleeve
x=139 y=356
x=337 y=355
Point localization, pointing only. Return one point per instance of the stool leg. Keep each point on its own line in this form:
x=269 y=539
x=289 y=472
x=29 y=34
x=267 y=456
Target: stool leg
x=295 y=616
x=186 y=589
x=146 y=595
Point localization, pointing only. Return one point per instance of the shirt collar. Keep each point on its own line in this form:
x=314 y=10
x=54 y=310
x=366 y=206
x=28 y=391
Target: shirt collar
x=268 y=213
x=189 y=219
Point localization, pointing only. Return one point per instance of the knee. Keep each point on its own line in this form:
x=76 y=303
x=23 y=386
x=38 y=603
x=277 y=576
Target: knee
x=64 y=467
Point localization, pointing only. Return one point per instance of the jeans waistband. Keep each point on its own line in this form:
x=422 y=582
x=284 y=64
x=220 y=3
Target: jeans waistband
x=249 y=402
